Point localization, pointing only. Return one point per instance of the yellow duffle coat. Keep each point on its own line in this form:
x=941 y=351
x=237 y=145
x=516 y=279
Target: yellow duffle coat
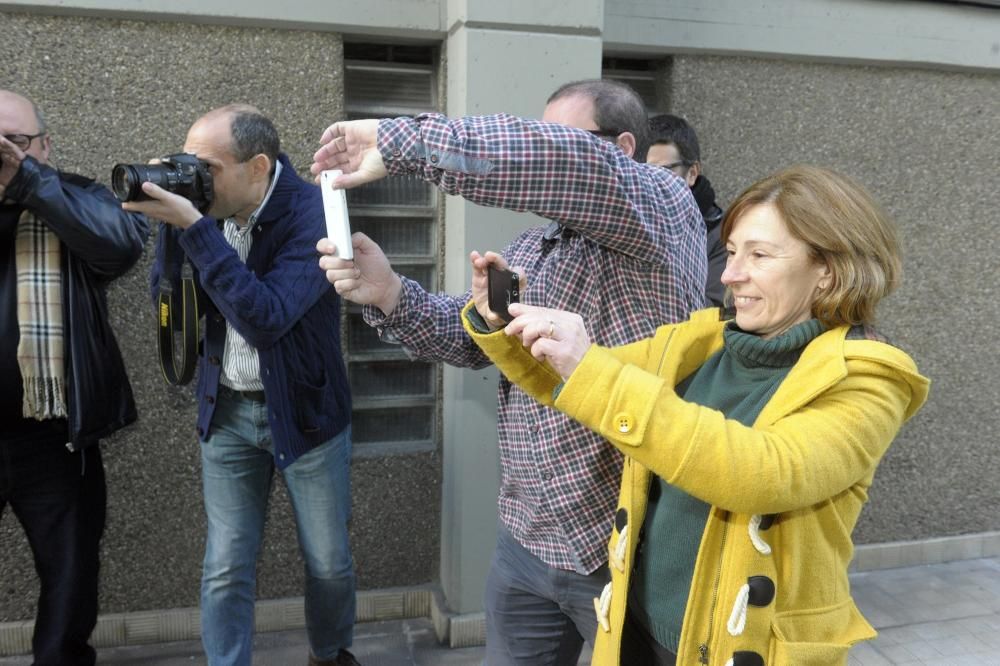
x=770 y=583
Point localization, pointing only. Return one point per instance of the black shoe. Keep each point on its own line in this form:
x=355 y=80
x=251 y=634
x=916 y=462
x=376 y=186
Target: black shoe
x=344 y=658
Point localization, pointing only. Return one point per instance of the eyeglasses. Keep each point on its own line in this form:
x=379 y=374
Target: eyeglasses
x=23 y=141
x=674 y=165
x=606 y=133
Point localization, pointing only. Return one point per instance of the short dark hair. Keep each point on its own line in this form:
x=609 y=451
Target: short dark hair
x=253 y=133
x=667 y=128
x=617 y=108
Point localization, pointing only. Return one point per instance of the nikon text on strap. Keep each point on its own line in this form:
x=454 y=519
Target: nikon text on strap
x=174 y=372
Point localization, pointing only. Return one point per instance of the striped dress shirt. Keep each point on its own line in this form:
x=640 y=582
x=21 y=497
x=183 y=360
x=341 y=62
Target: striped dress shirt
x=240 y=363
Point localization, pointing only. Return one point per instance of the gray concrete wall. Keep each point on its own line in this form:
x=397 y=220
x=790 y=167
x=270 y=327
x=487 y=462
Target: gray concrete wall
x=914 y=32
x=936 y=34
x=126 y=91
x=924 y=141
x=926 y=144
x=494 y=65
x=396 y=18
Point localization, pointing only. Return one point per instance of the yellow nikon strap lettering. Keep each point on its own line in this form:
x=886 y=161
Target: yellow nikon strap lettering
x=177 y=372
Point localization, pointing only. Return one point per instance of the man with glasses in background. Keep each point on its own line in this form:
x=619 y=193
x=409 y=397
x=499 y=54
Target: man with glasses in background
x=63 y=238
x=675 y=147
x=625 y=248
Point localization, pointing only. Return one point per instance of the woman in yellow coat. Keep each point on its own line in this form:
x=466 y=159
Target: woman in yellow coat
x=750 y=445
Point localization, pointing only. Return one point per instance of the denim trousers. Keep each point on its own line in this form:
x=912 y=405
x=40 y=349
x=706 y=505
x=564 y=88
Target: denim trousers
x=237 y=471
x=537 y=615
x=59 y=497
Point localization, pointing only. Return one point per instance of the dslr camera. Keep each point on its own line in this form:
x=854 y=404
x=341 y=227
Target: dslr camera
x=182 y=174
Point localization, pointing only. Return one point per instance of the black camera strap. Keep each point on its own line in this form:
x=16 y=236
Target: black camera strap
x=174 y=372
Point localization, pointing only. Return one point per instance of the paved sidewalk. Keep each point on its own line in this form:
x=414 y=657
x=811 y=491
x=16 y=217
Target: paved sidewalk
x=942 y=614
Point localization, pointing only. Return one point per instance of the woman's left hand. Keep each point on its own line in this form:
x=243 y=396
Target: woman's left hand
x=555 y=336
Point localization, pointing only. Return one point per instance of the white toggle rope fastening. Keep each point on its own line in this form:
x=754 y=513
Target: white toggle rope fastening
x=618 y=556
x=762 y=546
x=602 y=606
x=738 y=618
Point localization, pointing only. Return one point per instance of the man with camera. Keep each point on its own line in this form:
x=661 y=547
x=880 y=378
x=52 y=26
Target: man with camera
x=625 y=249
x=272 y=389
x=63 y=239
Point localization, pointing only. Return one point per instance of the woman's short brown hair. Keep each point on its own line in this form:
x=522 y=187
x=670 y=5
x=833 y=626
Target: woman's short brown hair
x=844 y=227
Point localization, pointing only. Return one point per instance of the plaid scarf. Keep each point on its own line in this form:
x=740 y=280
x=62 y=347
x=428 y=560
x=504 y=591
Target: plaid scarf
x=40 y=319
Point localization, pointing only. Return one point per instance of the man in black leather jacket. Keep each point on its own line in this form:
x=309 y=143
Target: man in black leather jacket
x=675 y=147
x=63 y=238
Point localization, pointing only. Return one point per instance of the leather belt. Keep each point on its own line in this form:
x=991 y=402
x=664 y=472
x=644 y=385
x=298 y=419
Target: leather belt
x=255 y=396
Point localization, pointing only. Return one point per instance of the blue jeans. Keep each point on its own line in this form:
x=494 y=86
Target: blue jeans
x=537 y=615
x=237 y=470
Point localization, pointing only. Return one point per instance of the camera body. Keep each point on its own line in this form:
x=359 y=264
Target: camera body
x=182 y=174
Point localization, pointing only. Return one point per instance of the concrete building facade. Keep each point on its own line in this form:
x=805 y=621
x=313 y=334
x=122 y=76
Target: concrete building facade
x=902 y=95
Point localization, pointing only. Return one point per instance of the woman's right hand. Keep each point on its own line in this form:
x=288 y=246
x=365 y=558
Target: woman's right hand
x=480 y=285
x=555 y=336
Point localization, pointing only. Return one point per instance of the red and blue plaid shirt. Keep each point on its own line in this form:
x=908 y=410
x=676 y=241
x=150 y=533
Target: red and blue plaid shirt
x=629 y=256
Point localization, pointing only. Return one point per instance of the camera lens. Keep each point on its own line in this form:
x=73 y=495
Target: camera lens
x=181 y=174
x=126 y=182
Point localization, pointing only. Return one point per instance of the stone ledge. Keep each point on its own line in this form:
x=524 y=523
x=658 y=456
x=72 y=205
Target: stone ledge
x=466 y=630
x=894 y=554
x=183 y=624
x=458 y=631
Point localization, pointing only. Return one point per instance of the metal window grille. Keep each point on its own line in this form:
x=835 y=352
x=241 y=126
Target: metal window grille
x=395 y=399
x=641 y=75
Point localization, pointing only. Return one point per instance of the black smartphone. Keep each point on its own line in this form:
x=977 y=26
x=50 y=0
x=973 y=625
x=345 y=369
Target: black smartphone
x=503 y=288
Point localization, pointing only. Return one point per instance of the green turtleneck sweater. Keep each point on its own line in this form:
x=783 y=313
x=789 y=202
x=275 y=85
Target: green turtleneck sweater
x=738 y=381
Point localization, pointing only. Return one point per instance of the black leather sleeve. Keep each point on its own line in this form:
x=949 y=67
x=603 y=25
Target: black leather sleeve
x=85 y=215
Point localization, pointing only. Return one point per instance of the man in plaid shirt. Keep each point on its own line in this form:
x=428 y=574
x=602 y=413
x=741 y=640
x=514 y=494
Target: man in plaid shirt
x=625 y=249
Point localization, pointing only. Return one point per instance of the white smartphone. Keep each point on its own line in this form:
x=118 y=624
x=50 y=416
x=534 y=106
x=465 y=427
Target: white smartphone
x=338 y=226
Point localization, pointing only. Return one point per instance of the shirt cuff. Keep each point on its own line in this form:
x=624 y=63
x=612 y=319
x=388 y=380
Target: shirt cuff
x=400 y=315
x=401 y=146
